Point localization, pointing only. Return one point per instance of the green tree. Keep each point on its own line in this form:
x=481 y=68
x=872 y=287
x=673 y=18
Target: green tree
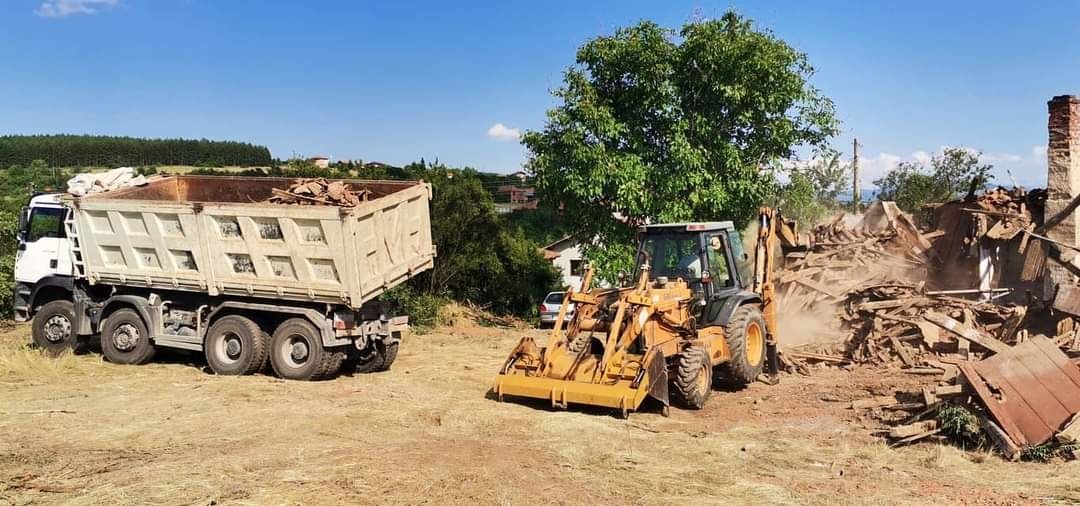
x=480 y=258
x=952 y=173
x=813 y=188
x=658 y=126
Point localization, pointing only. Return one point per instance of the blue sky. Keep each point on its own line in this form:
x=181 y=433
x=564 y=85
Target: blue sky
x=396 y=81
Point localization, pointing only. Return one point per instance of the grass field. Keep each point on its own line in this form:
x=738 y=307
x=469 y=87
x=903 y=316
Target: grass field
x=77 y=430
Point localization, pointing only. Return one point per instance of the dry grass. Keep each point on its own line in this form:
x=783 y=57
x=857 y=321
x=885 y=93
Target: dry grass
x=78 y=430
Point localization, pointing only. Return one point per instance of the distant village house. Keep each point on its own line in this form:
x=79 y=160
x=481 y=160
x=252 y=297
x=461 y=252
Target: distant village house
x=565 y=255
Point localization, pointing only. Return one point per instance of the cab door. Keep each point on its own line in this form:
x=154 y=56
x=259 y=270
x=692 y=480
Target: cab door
x=44 y=249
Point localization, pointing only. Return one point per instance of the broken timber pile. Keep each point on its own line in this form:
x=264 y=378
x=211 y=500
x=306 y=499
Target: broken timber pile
x=1023 y=400
x=842 y=257
x=897 y=321
x=319 y=191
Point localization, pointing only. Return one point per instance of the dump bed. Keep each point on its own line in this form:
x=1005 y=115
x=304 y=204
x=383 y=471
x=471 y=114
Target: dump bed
x=218 y=235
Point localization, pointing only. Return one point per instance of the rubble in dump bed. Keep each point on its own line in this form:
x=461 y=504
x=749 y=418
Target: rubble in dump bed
x=321 y=192
x=992 y=376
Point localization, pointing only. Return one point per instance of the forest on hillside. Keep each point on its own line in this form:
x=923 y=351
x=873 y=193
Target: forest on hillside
x=109 y=151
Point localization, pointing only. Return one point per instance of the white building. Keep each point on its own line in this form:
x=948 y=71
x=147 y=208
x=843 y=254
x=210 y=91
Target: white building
x=565 y=255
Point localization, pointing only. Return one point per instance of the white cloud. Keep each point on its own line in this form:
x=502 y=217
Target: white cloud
x=503 y=133
x=63 y=8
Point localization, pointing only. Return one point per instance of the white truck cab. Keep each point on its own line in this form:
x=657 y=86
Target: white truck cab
x=44 y=253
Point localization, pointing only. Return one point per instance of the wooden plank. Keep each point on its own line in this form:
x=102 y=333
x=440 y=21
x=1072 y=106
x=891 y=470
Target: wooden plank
x=970 y=334
x=817 y=287
x=1002 y=441
x=904 y=431
x=992 y=404
x=1067 y=299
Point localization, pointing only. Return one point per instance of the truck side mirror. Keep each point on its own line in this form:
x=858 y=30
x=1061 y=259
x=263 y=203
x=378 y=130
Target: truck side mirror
x=24 y=219
x=715 y=243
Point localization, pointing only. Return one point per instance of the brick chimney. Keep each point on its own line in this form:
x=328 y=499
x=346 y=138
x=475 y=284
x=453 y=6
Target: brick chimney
x=1062 y=182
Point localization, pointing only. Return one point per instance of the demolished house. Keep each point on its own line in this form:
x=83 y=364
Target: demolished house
x=980 y=301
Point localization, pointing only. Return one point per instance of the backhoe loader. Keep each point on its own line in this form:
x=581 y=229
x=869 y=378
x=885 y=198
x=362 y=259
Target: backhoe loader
x=699 y=306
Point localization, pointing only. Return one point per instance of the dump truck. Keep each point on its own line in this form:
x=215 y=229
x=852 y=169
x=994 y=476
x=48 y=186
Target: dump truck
x=208 y=264
x=698 y=306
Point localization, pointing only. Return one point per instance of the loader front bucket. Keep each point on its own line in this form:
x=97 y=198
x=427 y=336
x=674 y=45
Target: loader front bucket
x=572 y=378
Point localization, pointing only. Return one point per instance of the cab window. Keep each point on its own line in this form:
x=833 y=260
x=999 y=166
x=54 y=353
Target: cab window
x=45 y=222
x=673 y=255
x=718 y=266
x=742 y=261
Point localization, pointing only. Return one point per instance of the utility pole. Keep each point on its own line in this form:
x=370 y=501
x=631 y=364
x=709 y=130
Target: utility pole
x=856 y=193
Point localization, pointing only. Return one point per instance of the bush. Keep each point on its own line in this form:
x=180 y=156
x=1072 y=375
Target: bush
x=422 y=309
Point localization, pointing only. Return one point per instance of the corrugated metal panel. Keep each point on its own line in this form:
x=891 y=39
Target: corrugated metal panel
x=1033 y=390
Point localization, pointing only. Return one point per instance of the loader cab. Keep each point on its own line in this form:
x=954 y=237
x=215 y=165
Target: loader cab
x=708 y=255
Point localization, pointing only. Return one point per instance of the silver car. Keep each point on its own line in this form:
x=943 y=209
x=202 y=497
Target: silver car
x=549 y=309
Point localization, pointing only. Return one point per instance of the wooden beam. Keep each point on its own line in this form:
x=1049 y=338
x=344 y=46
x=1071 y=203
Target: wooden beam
x=969 y=334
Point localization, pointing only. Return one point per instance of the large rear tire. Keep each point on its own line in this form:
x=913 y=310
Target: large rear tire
x=53 y=328
x=125 y=340
x=693 y=377
x=296 y=352
x=745 y=335
x=378 y=359
x=235 y=345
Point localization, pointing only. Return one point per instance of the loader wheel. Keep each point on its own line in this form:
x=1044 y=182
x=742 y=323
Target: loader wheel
x=296 y=352
x=53 y=327
x=378 y=358
x=693 y=377
x=125 y=340
x=745 y=335
x=235 y=345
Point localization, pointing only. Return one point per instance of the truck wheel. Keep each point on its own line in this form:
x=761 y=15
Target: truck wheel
x=53 y=329
x=235 y=345
x=125 y=340
x=296 y=352
x=378 y=358
x=745 y=335
x=693 y=377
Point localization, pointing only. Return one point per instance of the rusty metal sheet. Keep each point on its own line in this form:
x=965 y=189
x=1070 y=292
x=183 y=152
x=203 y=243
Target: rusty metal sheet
x=1032 y=390
x=1068 y=299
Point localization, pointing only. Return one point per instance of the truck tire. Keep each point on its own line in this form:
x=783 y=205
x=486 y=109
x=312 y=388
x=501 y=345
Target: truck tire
x=378 y=359
x=125 y=340
x=296 y=352
x=745 y=336
x=235 y=346
x=693 y=377
x=53 y=328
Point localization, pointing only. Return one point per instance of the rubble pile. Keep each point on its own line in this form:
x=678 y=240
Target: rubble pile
x=319 y=191
x=843 y=257
x=991 y=375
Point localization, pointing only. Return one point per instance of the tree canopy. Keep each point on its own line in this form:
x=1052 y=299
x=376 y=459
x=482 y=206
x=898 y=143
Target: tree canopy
x=656 y=125
x=954 y=172
x=108 y=151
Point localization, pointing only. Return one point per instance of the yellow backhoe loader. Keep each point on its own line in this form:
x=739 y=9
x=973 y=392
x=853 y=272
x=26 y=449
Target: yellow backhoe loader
x=699 y=304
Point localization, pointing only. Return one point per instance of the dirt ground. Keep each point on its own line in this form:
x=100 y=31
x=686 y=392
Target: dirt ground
x=77 y=430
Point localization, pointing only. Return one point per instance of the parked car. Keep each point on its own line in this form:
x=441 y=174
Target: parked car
x=549 y=309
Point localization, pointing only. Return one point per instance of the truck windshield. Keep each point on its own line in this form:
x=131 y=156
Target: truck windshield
x=45 y=222
x=672 y=255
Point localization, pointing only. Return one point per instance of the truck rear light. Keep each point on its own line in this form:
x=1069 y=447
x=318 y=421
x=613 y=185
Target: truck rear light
x=344 y=320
